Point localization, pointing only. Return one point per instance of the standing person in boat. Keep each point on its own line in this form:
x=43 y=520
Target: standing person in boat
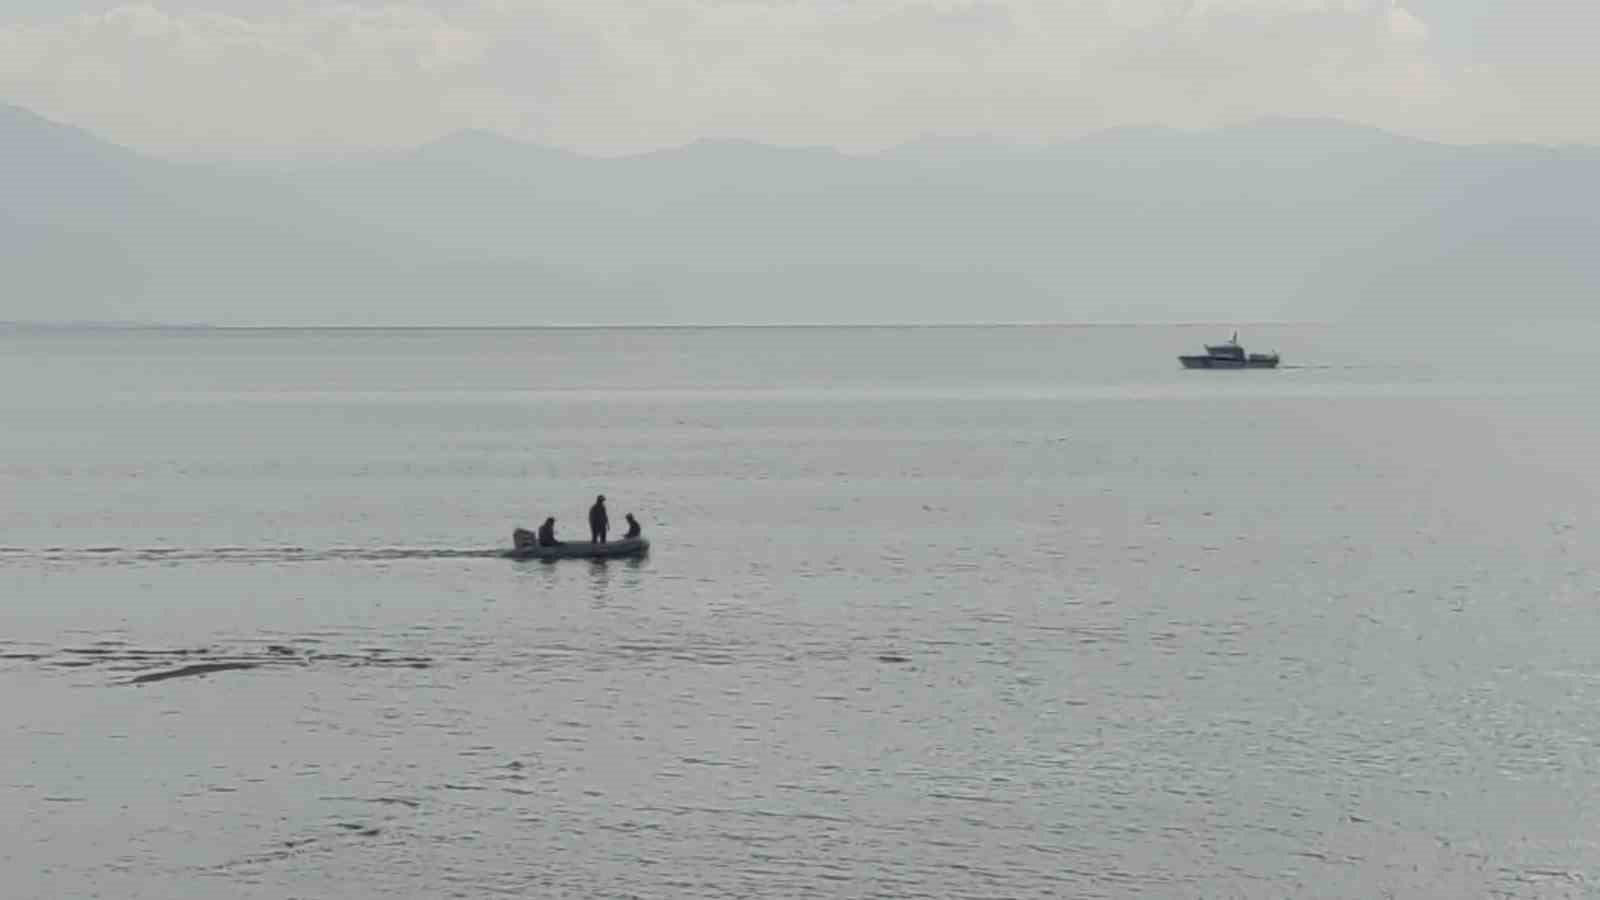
x=599 y=522
x=547 y=533
x=633 y=527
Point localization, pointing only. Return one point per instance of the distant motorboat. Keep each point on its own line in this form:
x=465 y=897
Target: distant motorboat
x=1230 y=356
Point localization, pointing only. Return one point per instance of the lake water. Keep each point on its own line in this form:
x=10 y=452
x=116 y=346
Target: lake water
x=946 y=612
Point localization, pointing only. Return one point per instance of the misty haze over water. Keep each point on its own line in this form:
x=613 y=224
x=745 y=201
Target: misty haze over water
x=1284 y=219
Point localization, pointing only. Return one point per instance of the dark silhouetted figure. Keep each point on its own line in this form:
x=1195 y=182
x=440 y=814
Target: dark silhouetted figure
x=547 y=533
x=633 y=526
x=599 y=522
x=522 y=539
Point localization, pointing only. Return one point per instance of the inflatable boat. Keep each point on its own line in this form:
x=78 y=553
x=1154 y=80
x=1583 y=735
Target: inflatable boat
x=621 y=549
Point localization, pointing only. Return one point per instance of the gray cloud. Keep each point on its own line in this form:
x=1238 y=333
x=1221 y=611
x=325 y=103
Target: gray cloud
x=615 y=76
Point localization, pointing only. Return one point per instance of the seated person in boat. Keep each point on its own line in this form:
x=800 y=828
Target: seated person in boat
x=547 y=533
x=633 y=527
x=522 y=539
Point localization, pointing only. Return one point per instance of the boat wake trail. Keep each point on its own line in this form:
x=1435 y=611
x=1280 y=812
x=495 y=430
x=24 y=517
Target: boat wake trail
x=130 y=664
x=145 y=555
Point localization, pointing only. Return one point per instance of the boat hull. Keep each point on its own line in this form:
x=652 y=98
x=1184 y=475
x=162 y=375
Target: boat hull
x=627 y=548
x=1213 y=362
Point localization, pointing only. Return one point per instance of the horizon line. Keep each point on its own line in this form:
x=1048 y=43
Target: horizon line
x=662 y=326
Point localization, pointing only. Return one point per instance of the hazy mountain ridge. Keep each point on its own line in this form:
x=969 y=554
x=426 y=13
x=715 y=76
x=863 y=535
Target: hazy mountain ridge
x=1280 y=218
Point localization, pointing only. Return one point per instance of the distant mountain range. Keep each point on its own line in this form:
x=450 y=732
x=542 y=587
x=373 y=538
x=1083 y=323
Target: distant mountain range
x=1277 y=219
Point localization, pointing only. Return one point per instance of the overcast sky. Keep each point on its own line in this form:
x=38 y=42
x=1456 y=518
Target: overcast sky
x=252 y=78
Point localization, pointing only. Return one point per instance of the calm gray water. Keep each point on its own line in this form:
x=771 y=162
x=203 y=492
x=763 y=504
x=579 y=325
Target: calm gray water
x=1003 y=612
